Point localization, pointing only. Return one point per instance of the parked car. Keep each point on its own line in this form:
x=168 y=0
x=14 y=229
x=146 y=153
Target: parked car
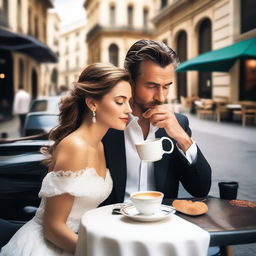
x=45 y=104
x=21 y=175
x=40 y=122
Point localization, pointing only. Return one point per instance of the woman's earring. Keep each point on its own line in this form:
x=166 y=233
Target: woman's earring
x=94 y=117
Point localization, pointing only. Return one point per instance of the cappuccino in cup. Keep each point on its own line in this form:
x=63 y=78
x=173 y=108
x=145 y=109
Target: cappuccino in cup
x=152 y=150
x=147 y=202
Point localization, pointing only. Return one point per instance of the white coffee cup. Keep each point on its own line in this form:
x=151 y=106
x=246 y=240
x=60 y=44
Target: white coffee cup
x=147 y=202
x=152 y=150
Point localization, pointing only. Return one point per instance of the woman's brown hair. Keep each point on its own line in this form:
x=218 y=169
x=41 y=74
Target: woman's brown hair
x=95 y=81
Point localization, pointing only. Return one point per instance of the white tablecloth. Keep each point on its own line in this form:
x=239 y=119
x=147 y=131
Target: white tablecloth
x=104 y=234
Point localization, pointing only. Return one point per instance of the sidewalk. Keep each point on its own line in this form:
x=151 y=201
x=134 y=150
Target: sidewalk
x=230 y=130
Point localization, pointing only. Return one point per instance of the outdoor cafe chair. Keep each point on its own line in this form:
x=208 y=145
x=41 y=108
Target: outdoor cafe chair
x=247 y=112
x=205 y=108
x=221 y=108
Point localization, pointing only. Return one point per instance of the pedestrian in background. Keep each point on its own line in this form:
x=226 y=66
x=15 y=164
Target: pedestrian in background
x=21 y=106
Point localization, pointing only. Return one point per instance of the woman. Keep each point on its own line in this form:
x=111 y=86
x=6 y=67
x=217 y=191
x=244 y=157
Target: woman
x=78 y=179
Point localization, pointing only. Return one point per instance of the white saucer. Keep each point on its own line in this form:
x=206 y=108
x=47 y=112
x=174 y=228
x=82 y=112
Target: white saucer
x=131 y=212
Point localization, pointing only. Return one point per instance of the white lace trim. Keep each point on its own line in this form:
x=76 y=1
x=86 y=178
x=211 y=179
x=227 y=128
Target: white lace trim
x=74 y=174
x=60 y=182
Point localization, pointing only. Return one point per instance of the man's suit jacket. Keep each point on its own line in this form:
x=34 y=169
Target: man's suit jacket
x=172 y=168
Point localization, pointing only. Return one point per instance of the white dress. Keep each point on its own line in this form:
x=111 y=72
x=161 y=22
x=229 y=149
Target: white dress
x=89 y=190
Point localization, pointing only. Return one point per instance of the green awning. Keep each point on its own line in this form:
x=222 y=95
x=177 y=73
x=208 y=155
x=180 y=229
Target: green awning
x=221 y=60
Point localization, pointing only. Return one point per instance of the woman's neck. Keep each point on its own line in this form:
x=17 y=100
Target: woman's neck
x=92 y=132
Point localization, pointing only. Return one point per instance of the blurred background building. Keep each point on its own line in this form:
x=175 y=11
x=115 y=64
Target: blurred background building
x=32 y=40
x=51 y=70
x=113 y=26
x=73 y=53
x=195 y=27
x=23 y=48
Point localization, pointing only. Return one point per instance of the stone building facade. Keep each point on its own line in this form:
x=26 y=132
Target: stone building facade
x=22 y=48
x=190 y=27
x=113 y=26
x=73 y=53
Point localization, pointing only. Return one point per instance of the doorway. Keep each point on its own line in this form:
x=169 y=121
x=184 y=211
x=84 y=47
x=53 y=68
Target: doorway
x=205 y=45
x=34 y=84
x=6 y=84
x=182 y=53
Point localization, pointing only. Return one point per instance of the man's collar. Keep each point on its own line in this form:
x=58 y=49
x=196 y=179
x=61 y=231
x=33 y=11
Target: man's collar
x=133 y=118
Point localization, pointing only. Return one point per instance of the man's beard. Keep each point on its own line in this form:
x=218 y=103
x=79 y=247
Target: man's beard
x=151 y=104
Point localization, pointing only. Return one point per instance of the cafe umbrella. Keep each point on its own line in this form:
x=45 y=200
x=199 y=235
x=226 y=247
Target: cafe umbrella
x=221 y=60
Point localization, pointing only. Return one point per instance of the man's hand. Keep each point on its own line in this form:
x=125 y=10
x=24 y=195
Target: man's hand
x=163 y=116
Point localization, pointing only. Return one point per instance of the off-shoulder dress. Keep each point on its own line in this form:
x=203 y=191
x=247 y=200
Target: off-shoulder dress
x=89 y=190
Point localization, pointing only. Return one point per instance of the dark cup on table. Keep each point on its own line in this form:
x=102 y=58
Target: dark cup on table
x=228 y=189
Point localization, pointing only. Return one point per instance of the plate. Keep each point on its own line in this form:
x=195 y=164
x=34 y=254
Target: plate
x=131 y=212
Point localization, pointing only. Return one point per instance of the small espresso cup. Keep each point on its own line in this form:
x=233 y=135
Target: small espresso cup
x=152 y=150
x=228 y=190
x=147 y=202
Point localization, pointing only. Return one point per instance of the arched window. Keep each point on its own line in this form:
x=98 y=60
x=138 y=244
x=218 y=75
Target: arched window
x=113 y=54
x=130 y=16
x=145 y=18
x=21 y=72
x=112 y=15
x=205 y=45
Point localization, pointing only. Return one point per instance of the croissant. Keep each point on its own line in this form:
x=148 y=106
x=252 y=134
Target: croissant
x=189 y=207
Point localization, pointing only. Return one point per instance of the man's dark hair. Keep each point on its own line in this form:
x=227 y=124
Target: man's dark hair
x=157 y=52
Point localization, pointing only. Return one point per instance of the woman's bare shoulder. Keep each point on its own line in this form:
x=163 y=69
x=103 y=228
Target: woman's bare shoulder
x=70 y=154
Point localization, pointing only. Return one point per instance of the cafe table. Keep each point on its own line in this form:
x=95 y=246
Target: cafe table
x=102 y=233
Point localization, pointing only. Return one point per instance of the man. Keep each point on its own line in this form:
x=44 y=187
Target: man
x=151 y=65
x=21 y=106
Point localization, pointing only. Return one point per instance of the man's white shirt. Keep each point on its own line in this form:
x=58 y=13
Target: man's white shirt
x=140 y=174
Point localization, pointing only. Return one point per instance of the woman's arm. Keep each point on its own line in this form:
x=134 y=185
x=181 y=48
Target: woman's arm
x=69 y=156
x=57 y=210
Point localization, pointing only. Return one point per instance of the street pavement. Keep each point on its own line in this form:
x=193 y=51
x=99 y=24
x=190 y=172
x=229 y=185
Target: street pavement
x=229 y=148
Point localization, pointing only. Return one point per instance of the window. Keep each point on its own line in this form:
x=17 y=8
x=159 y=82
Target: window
x=19 y=20
x=130 y=16
x=77 y=61
x=67 y=65
x=36 y=27
x=248 y=21
x=67 y=51
x=112 y=15
x=113 y=54
x=145 y=18
x=163 y=3
x=66 y=80
x=4 y=13
x=29 y=21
